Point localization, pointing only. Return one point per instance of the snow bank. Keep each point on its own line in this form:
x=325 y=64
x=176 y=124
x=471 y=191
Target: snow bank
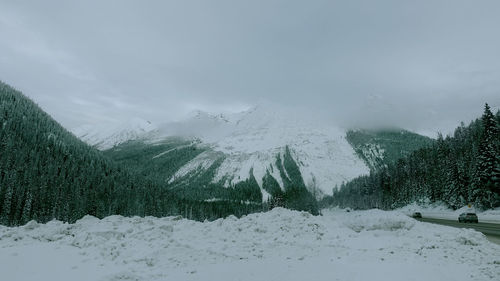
x=376 y=220
x=440 y=210
x=277 y=245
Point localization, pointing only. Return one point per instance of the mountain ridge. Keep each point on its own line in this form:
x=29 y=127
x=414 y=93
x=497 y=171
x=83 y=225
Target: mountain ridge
x=245 y=144
x=47 y=173
x=252 y=139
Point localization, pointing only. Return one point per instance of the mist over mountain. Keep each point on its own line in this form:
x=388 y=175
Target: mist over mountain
x=249 y=140
x=240 y=146
x=47 y=173
x=104 y=136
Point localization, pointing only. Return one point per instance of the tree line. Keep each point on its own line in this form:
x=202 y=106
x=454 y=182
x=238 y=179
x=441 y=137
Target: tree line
x=47 y=173
x=457 y=170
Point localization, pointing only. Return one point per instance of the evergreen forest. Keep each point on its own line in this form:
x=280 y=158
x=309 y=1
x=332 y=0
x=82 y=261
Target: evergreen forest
x=47 y=173
x=457 y=170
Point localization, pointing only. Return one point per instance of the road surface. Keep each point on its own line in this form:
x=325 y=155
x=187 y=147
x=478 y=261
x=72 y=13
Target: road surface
x=491 y=230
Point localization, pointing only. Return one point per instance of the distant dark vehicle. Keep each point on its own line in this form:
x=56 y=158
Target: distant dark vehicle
x=416 y=215
x=468 y=217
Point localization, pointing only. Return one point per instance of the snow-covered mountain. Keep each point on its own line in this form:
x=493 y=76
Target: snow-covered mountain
x=251 y=141
x=106 y=136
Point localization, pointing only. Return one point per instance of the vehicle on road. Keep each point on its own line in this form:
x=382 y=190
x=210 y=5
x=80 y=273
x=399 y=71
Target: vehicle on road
x=416 y=215
x=468 y=217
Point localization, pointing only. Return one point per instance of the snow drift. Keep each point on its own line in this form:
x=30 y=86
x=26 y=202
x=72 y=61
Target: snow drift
x=277 y=245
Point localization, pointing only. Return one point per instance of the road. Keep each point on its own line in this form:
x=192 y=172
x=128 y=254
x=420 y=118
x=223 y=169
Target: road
x=491 y=230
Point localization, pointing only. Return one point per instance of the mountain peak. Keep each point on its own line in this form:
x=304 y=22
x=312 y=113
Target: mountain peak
x=105 y=136
x=251 y=141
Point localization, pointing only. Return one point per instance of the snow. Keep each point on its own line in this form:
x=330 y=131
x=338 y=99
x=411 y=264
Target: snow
x=170 y=150
x=277 y=245
x=105 y=136
x=373 y=153
x=250 y=140
x=202 y=161
x=439 y=210
x=254 y=138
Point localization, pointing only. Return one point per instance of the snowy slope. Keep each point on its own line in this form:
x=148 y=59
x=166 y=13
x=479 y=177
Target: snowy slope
x=252 y=140
x=277 y=245
x=106 y=136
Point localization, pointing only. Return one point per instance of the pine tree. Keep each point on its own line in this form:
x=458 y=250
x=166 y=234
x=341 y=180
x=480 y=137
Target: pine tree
x=7 y=203
x=461 y=169
x=452 y=193
x=47 y=173
x=487 y=182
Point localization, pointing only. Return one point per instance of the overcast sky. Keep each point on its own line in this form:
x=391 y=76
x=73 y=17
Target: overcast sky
x=422 y=65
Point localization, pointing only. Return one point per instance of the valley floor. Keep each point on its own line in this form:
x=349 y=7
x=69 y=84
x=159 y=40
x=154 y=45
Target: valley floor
x=278 y=245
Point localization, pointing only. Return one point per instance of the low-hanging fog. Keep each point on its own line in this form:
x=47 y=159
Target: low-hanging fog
x=420 y=65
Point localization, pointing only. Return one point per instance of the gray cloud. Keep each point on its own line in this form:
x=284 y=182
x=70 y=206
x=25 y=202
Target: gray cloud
x=422 y=65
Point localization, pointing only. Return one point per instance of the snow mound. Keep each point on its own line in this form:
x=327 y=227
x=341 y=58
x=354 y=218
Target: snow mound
x=277 y=245
x=375 y=220
x=492 y=213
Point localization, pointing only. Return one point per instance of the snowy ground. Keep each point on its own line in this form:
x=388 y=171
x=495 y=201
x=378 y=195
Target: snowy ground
x=440 y=211
x=278 y=245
